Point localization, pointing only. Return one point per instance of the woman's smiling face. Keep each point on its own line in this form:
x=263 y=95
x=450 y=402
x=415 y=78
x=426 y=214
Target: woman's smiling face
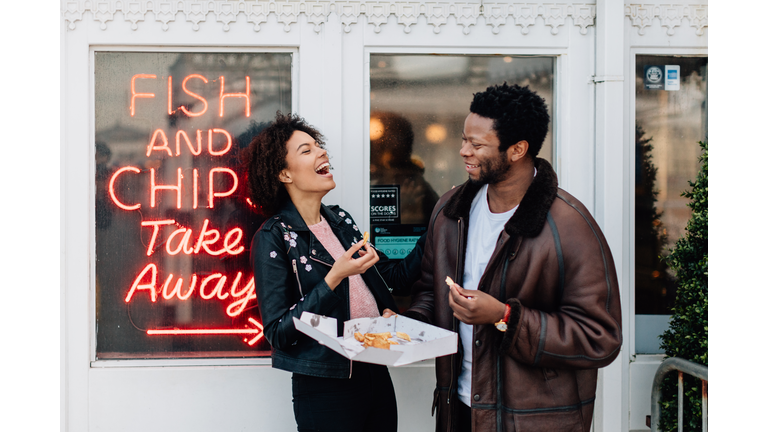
x=307 y=166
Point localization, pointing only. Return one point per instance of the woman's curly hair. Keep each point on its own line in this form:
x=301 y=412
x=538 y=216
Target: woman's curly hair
x=518 y=114
x=266 y=159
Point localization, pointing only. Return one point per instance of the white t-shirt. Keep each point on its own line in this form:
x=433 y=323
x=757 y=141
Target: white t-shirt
x=484 y=230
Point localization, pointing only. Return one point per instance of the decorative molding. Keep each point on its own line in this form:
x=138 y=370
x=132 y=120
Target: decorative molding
x=670 y=16
x=376 y=13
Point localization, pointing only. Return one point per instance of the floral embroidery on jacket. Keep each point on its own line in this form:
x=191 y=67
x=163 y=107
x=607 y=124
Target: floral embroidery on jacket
x=303 y=260
x=308 y=267
x=292 y=242
x=273 y=254
x=348 y=220
x=342 y=214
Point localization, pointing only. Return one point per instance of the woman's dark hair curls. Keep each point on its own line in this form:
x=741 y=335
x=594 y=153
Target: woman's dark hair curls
x=518 y=114
x=266 y=159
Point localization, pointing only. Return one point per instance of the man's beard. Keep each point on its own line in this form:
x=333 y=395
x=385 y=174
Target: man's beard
x=492 y=171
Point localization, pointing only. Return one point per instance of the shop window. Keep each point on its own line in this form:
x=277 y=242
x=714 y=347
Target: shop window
x=670 y=120
x=172 y=220
x=418 y=107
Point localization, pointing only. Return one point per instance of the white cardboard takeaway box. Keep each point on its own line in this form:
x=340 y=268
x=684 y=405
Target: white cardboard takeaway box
x=427 y=341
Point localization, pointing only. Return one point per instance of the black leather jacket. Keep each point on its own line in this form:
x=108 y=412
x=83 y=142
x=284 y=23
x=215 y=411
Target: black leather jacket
x=290 y=265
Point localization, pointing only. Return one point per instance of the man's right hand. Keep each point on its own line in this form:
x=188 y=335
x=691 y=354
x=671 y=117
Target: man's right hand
x=474 y=306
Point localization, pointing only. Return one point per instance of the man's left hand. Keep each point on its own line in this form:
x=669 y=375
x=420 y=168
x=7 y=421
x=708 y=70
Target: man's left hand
x=474 y=306
x=388 y=313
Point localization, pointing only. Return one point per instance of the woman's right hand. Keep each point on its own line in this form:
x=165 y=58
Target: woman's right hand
x=347 y=266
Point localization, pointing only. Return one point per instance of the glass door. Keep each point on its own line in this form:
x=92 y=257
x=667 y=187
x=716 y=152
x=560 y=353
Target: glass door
x=670 y=120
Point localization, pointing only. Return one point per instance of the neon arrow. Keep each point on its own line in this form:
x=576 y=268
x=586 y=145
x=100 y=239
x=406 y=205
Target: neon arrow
x=258 y=331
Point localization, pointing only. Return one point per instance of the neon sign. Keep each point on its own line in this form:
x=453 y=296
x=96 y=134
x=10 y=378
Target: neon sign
x=257 y=330
x=207 y=240
x=244 y=95
x=180 y=201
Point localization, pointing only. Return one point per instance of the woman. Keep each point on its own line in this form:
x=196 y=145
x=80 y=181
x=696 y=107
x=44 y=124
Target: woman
x=310 y=257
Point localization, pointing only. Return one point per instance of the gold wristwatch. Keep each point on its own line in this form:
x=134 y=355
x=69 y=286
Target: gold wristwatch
x=502 y=324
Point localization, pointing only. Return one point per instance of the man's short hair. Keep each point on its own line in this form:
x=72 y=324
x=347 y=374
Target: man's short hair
x=518 y=114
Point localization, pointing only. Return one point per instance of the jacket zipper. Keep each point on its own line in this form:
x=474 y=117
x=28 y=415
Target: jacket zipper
x=455 y=329
x=321 y=262
x=382 y=279
x=296 y=272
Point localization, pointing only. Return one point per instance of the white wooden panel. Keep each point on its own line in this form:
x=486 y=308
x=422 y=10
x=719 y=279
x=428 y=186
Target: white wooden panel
x=332 y=68
x=611 y=412
x=76 y=181
x=253 y=398
x=574 y=118
x=480 y=35
x=190 y=399
x=414 y=387
x=641 y=373
x=353 y=161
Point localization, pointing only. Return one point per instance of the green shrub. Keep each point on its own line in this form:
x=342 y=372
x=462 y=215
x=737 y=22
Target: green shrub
x=654 y=285
x=687 y=334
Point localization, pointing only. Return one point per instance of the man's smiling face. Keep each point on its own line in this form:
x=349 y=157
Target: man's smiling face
x=480 y=150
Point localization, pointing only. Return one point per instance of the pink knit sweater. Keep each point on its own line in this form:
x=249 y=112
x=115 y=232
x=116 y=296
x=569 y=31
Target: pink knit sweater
x=361 y=301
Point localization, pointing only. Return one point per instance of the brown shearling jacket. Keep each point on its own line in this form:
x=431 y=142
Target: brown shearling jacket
x=552 y=265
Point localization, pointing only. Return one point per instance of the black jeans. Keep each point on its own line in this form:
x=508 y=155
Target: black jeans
x=364 y=403
x=463 y=417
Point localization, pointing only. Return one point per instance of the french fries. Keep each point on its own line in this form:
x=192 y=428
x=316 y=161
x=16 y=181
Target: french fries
x=380 y=340
x=377 y=340
x=365 y=237
x=451 y=283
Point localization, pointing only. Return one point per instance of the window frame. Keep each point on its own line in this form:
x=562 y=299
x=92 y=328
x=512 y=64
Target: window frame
x=93 y=49
x=629 y=130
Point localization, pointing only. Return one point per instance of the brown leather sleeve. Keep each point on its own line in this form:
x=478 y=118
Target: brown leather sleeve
x=584 y=331
x=422 y=293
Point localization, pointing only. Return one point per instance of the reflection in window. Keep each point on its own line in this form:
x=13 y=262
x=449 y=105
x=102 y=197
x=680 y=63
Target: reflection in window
x=433 y=93
x=393 y=163
x=418 y=107
x=669 y=125
x=173 y=226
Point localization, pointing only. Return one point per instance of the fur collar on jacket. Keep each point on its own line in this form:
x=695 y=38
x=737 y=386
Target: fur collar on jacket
x=530 y=217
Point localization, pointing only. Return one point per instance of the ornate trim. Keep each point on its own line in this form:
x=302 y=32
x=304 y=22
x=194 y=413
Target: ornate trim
x=376 y=13
x=670 y=16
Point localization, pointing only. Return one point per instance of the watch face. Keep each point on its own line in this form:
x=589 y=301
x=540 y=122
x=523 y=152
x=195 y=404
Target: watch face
x=501 y=326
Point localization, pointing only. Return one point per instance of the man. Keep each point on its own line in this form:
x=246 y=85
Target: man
x=535 y=299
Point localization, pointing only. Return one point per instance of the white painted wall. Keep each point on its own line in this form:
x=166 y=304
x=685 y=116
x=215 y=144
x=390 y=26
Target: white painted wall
x=224 y=398
x=593 y=157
